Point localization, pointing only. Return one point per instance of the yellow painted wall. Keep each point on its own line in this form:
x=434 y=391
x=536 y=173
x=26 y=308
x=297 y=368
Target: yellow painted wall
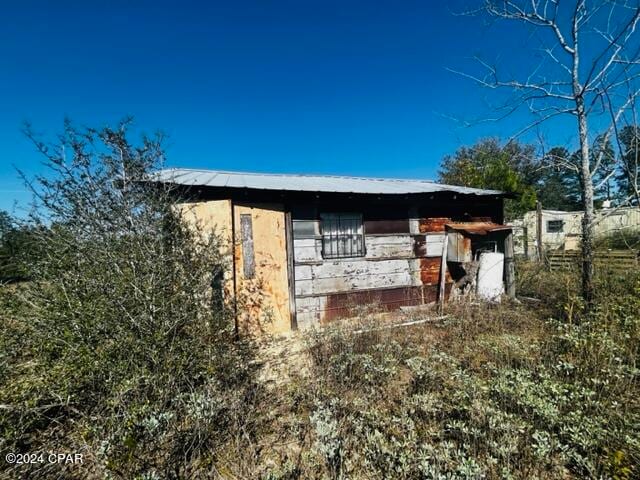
x=214 y=217
x=264 y=299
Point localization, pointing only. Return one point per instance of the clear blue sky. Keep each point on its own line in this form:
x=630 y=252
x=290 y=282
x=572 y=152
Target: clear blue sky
x=345 y=87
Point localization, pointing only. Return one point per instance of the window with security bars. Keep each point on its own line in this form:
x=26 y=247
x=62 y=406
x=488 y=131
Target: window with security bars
x=342 y=235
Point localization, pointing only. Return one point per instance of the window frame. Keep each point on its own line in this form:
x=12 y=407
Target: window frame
x=555 y=222
x=357 y=235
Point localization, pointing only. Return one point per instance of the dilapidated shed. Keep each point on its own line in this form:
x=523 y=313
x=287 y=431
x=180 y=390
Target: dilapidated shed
x=303 y=249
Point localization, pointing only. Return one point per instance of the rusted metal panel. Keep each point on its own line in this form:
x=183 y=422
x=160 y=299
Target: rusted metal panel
x=430 y=271
x=432 y=224
x=387 y=226
x=430 y=292
x=343 y=304
x=323 y=309
x=248 y=258
x=478 y=228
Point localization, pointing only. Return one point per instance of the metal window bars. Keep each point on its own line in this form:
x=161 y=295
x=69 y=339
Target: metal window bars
x=342 y=235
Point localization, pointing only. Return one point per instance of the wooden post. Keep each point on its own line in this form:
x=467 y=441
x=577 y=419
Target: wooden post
x=539 y=230
x=509 y=266
x=525 y=236
x=288 y=230
x=235 y=272
x=443 y=272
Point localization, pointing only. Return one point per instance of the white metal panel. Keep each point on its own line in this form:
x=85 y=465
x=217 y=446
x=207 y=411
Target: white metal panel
x=490 y=272
x=308 y=183
x=434 y=244
x=307 y=250
x=347 y=276
x=386 y=246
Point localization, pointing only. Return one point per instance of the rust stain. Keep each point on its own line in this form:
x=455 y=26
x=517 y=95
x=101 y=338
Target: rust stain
x=430 y=271
x=340 y=305
x=477 y=228
x=433 y=224
x=466 y=244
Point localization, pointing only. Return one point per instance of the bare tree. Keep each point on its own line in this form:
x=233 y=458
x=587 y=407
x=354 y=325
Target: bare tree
x=590 y=70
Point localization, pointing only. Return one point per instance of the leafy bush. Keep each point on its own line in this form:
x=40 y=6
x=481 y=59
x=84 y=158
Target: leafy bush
x=114 y=349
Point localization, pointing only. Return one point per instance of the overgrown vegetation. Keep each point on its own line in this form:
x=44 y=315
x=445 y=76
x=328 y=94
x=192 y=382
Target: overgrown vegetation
x=623 y=239
x=489 y=392
x=117 y=349
x=113 y=349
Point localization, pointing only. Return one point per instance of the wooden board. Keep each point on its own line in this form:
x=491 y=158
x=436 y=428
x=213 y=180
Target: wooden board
x=344 y=275
x=613 y=258
x=264 y=297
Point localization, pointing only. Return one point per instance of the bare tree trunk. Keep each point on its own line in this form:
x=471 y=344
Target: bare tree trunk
x=588 y=215
x=599 y=94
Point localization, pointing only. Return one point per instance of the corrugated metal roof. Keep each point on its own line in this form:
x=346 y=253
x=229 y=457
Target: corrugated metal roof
x=307 y=183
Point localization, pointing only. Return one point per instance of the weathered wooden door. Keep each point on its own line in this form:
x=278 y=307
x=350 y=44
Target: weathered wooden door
x=262 y=282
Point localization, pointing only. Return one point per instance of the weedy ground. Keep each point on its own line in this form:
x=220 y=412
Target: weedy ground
x=529 y=389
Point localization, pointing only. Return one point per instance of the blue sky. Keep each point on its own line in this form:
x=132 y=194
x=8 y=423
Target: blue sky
x=342 y=87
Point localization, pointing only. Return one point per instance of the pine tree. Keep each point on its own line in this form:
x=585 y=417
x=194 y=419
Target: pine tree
x=630 y=165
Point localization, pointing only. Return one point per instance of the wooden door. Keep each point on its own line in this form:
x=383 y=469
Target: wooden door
x=261 y=272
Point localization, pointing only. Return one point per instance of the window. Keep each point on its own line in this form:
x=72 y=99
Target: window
x=555 y=226
x=342 y=235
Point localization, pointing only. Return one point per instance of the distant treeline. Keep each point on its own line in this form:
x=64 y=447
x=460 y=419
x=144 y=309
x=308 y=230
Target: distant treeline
x=549 y=176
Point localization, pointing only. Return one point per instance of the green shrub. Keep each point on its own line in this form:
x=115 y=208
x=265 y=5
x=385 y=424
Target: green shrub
x=116 y=349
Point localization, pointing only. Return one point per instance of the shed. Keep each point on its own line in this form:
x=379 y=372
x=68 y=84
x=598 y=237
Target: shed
x=304 y=250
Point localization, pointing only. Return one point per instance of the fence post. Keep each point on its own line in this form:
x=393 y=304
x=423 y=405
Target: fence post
x=539 y=230
x=510 y=270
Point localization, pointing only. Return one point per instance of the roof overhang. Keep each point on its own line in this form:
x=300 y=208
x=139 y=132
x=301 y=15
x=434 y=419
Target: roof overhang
x=309 y=183
x=477 y=228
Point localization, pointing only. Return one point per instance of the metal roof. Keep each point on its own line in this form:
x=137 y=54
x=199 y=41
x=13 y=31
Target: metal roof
x=307 y=183
x=478 y=228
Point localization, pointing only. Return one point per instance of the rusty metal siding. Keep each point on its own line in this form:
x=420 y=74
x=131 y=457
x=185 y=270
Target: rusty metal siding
x=430 y=271
x=434 y=224
x=402 y=262
x=401 y=267
x=313 y=311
